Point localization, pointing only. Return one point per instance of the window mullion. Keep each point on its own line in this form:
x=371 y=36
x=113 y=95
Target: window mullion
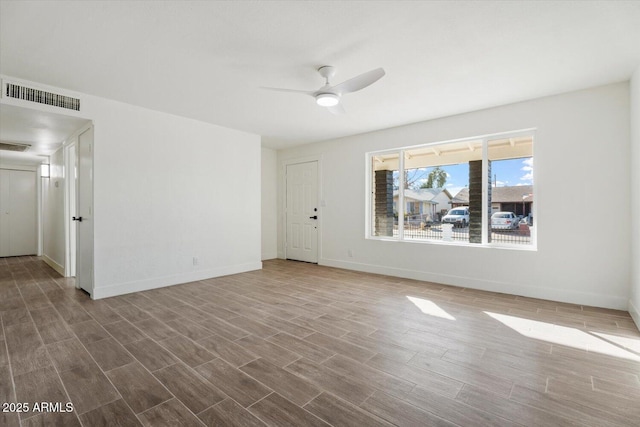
x=401 y=195
x=485 y=195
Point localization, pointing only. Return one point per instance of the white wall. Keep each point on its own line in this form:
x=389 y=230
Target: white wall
x=167 y=190
x=580 y=258
x=53 y=239
x=269 y=213
x=634 y=300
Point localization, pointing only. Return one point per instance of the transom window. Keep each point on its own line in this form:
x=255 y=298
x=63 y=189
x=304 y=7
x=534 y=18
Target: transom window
x=471 y=191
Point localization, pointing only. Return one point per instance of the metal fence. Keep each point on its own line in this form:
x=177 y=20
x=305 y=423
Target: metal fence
x=416 y=229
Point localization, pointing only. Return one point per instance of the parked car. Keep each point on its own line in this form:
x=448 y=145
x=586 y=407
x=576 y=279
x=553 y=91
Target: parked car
x=459 y=217
x=504 y=221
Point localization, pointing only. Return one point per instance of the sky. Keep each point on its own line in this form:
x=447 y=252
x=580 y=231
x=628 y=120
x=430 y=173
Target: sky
x=504 y=173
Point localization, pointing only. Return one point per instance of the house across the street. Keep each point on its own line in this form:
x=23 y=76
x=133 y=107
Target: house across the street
x=517 y=199
x=430 y=204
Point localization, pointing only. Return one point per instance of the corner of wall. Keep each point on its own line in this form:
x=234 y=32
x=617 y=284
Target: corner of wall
x=269 y=216
x=635 y=313
x=53 y=264
x=634 y=291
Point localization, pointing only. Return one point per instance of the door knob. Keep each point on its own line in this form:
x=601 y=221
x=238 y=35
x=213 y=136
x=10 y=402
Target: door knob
x=79 y=219
x=313 y=217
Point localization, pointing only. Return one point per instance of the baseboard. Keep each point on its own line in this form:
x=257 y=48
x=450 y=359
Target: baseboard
x=100 y=292
x=51 y=263
x=635 y=314
x=552 y=294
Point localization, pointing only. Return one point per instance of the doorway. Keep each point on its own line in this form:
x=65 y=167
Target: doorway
x=71 y=166
x=18 y=213
x=83 y=217
x=78 y=161
x=302 y=219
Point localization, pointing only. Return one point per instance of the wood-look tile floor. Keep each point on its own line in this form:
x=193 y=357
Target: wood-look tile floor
x=298 y=344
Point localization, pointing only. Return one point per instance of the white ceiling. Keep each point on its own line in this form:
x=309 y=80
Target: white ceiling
x=45 y=132
x=207 y=60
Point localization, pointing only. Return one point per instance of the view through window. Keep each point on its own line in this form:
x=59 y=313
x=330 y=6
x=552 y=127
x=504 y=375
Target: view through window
x=435 y=192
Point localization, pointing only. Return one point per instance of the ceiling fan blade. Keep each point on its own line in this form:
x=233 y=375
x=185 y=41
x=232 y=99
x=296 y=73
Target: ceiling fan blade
x=278 y=89
x=359 y=82
x=337 y=109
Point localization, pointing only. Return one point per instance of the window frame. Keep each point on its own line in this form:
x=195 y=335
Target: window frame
x=486 y=223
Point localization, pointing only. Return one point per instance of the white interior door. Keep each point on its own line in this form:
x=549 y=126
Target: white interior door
x=84 y=212
x=18 y=213
x=302 y=212
x=72 y=199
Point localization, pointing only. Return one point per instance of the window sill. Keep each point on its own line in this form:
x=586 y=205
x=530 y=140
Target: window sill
x=507 y=246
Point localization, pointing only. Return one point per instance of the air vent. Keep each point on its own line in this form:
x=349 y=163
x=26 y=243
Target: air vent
x=11 y=146
x=41 y=97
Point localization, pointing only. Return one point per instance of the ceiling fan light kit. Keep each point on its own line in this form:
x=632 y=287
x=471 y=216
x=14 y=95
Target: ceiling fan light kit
x=327 y=99
x=329 y=96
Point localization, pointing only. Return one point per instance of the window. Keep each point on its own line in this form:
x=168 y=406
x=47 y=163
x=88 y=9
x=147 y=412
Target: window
x=435 y=192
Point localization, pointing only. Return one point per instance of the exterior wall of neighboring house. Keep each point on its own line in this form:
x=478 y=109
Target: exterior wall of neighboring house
x=425 y=203
x=442 y=201
x=518 y=208
x=515 y=204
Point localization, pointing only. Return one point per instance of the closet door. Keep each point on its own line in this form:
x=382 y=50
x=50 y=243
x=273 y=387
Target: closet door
x=18 y=227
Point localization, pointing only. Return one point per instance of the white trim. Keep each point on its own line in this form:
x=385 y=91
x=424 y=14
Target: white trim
x=320 y=202
x=635 y=313
x=514 y=134
x=534 y=206
x=369 y=209
x=161 y=282
x=418 y=241
x=40 y=209
x=14 y=167
x=484 y=211
x=547 y=293
x=51 y=263
x=72 y=140
x=401 y=205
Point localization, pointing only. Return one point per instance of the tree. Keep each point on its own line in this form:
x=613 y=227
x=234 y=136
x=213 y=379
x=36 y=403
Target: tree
x=436 y=179
x=412 y=178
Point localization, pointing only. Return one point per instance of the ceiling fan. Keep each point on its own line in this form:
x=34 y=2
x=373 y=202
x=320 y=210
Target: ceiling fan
x=329 y=96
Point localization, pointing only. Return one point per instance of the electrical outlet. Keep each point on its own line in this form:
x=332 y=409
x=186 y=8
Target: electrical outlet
x=350 y=253
x=195 y=260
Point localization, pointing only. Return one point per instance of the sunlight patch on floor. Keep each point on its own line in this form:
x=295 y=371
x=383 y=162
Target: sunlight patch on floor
x=632 y=344
x=610 y=345
x=429 y=307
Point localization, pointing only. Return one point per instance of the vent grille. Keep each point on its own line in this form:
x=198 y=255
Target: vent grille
x=42 y=97
x=10 y=146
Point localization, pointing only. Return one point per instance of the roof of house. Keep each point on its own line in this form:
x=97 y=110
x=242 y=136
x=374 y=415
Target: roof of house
x=518 y=193
x=424 y=194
